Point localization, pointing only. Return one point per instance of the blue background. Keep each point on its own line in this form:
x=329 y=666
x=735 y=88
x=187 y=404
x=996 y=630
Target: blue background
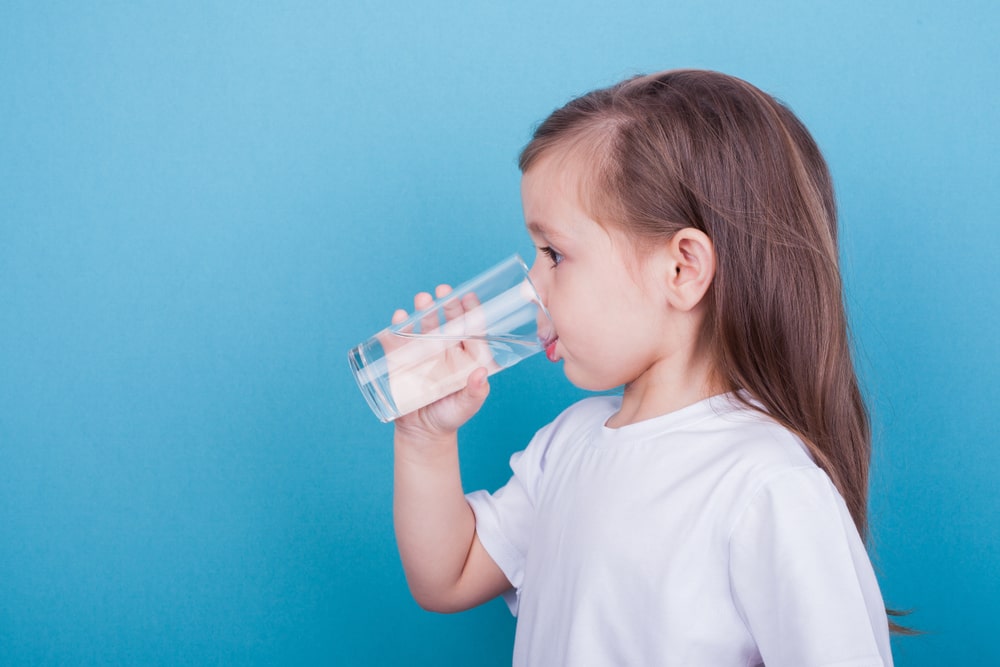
x=203 y=205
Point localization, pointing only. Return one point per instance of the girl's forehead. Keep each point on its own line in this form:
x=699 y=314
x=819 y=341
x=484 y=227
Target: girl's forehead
x=559 y=175
x=565 y=184
x=550 y=197
x=569 y=157
x=554 y=214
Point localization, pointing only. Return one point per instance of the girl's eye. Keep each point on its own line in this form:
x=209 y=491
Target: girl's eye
x=554 y=256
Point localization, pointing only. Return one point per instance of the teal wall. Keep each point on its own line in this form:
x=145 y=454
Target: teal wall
x=203 y=205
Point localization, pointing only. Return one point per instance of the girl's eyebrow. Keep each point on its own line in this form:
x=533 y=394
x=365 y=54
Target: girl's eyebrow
x=539 y=229
x=536 y=228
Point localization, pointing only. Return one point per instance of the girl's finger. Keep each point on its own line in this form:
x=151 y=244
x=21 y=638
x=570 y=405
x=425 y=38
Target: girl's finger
x=476 y=324
x=386 y=338
x=422 y=301
x=452 y=307
x=474 y=315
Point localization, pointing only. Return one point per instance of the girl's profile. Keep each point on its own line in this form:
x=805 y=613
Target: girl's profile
x=714 y=512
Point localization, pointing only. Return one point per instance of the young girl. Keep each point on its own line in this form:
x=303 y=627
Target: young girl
x=715 y=513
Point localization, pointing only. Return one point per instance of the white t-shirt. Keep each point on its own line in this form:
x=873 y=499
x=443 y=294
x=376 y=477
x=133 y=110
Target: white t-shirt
x=704 y=537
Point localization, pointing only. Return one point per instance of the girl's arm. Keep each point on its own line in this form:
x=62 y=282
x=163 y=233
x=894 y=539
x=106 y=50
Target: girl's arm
x=446 y=567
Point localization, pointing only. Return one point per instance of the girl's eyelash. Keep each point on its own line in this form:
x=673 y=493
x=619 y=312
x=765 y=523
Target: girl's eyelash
x=554 y=256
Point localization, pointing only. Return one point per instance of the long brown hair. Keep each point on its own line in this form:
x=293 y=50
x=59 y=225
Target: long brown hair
x=701 y=149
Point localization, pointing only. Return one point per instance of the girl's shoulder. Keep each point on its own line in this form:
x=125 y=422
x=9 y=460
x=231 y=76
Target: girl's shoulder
x=757 y=438
x=768 y=464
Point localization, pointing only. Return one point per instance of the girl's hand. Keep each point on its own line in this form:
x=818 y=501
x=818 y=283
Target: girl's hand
x=448 y=362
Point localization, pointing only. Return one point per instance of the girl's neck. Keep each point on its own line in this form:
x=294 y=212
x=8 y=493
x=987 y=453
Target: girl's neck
x=666 y=387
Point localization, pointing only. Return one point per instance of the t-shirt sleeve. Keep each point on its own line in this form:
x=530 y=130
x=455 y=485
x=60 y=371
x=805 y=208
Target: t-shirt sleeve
x=504 y=519
x=802 y=579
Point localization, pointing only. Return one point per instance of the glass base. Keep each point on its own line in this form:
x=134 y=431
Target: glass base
x=375 y=391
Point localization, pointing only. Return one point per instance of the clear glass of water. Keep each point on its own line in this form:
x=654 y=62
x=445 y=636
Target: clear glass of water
x=494 y=321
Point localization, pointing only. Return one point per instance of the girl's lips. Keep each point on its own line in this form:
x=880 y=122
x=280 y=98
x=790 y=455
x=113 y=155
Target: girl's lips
x=550 y=350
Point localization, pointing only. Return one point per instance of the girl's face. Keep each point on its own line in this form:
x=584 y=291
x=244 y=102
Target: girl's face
x=612 y=321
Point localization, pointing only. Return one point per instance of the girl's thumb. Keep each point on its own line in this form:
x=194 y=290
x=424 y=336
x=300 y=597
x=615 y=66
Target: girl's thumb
x=477 y=388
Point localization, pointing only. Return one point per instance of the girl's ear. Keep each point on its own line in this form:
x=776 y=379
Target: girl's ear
x=691 y=265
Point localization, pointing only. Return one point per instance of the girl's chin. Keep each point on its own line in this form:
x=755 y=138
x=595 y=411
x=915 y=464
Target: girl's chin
x=585 y=381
